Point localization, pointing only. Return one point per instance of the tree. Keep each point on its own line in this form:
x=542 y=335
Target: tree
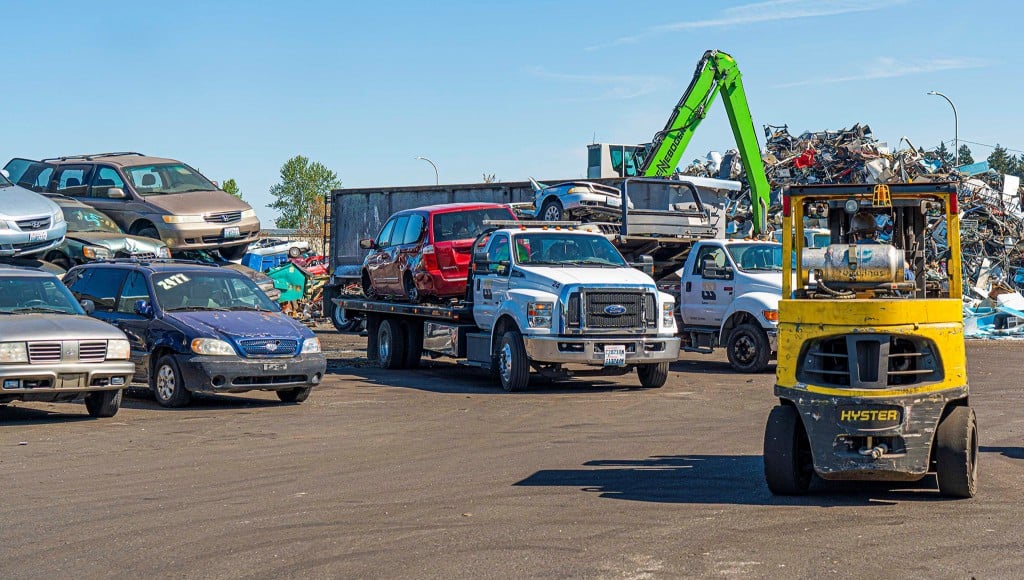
x=999 y=160
x=943 y=154
x=964 y=153
x=231 y=187
x=301 y=194
x=490 y=178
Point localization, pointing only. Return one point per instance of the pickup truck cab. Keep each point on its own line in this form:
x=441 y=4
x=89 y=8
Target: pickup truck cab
x=729 y=297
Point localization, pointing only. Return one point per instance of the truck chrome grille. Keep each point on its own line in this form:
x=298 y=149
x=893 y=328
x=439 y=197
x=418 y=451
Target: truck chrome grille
x=44 y=352
x=873 y=361
x=602 y=309
x=92 y=351
x=269 y=346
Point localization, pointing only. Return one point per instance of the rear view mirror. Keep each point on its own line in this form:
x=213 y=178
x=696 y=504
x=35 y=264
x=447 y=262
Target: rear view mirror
x=88 y=306
x=115 y=193
x=367 y=244
x=143 y=308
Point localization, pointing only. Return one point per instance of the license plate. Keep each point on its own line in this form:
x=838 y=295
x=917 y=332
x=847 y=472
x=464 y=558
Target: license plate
x=71 y=381
x=275 y=366
x=614 y=355
x=36 y=236
x=231 y=232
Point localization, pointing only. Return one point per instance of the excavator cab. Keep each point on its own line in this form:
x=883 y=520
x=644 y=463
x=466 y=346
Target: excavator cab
x=872 y=375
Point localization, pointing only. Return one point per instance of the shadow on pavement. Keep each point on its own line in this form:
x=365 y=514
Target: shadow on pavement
x=719 y=479
x=715 y=367
x=1011 y=452
x=31 y=416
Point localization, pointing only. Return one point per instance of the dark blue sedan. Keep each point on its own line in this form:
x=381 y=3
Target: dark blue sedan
x=200 y=328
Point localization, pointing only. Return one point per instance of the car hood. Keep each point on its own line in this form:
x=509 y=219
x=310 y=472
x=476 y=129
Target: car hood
x=197 y=202
x=23 y=203
x=587 y=276
x=241 y=324
x=117 y=242
x=19 y=327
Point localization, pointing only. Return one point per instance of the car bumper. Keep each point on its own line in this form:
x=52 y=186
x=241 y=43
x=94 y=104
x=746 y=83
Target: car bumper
x=232 y=374
x=20 y=244
x=43 y=381
x=194 y=236
x=590 y=351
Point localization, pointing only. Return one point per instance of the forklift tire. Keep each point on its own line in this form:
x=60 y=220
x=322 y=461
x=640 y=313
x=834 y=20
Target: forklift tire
x=512 y=364
x=788 y=465
x=391 y=343
x=414 y=343
x=652 y=376
x=748 y=349
x=956 y=453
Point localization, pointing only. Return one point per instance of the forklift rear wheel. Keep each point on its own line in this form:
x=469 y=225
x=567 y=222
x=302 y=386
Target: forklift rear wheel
x=748 y=348
x=788 y=465
x=391 y=344
x=653 y=376
x=956 y=453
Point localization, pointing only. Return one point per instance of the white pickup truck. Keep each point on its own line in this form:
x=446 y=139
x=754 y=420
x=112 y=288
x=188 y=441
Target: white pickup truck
x=729 y=297
x=551 y=300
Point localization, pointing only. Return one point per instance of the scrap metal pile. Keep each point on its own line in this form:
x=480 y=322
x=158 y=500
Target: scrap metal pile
x=992 y=220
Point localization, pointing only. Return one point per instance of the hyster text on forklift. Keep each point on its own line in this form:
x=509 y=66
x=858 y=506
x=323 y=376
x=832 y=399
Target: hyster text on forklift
x=539 y=299
x=872 y=377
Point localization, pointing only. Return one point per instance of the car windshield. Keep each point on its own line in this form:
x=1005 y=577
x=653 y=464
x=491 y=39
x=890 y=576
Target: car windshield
x=83 y=219
x=565 y=249
x=468 y=224
x=757 y=257
x=166 y=178
x=208 y=290
x=36 y=294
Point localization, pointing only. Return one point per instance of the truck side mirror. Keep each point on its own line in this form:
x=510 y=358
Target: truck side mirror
x=88 y=305
x=143 y=308
x=367 y=244
x=115 y=193
x=501 y=268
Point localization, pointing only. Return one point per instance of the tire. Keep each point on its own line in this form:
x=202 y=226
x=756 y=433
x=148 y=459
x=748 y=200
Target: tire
x=512 y=364
x=341 y=322
x=167 y=385
x=296 y=395
x=148 y=232
x=956 y=453
x=552 y=211
x=391 y=342
x=414 y=344
x=233 y=252
x=367 y=285
x=104 y=403
x=412 y=293
x=748 y=348
x=788 y=465
x=294 y=252
x=652 y=376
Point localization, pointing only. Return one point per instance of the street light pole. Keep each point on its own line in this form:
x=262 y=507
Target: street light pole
x=956 y=129
x=437 y=180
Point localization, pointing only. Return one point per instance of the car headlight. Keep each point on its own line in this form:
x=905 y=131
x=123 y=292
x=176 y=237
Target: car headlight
x=58 y=218
x=212 y=347
x=118 y=350
x=311 y=346
x=249 y=213
x=95 y=252
x=163 y=252
x=539 y=314
x=183 y=219
x=668 y=314
x=13 y=352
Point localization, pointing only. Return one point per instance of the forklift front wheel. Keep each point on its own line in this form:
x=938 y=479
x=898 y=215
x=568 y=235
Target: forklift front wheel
x=956 y=453
x=788 y=465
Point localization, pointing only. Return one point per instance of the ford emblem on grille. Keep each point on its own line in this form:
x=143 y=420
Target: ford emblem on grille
x=272 y=346
x=615 y=310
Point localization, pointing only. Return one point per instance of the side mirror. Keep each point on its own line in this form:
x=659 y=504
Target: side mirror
x=88 y=306
x=367 y=244
x=115 y=193
x=502 y=267
x=143 y=308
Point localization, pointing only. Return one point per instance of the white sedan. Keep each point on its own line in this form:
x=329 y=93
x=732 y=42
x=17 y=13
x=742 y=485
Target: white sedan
x=268 y=246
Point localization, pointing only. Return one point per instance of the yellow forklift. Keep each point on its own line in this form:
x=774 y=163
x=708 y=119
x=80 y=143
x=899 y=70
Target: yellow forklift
x=872 y=372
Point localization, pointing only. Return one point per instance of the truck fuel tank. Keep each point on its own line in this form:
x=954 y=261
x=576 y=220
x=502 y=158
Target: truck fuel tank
x=855 y=263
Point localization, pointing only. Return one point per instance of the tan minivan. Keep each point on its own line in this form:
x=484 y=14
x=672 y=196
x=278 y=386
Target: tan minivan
x=148 y=196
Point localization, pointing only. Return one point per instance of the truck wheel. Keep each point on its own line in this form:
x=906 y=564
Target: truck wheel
x=653 y=376
x=552 y=211
x=342 y=322
x=391 y=339
x=167 y=384
x=748 y=348
x=788 y=465
x=296 y=395
x=414 y=344
x=103 y=403
x=956 y=453
x=513 y=366
x=368 y=290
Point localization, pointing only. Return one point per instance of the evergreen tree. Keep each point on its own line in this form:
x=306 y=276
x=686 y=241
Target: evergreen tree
x=999 y=160
x=964 y=152
x=943 y=154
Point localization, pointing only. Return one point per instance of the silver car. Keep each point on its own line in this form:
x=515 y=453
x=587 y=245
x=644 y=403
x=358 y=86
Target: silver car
x=576 y=200
x=50 y=350
x=29 y=223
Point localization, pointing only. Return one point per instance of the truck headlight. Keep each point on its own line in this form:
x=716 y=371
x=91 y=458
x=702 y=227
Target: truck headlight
x=668 y=314
x=118 y=350
x=311 y=346
x=538 y=314
x=212 y=347
x=95 y=252
x=183 y=219
x=13 y=352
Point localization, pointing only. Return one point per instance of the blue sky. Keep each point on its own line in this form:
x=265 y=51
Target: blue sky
x=514 y=89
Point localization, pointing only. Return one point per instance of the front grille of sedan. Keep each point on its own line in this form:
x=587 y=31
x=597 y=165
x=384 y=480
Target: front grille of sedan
x=92 y=351
x=33 y=224
x=269 y=346
x=44 y=352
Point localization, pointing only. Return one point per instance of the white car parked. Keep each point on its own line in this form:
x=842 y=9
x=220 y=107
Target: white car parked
x=268 y=246
x=576 y=199
x=29 y=223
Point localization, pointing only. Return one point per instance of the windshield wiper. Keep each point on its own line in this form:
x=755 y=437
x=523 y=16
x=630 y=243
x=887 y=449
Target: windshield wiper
x=39 y=309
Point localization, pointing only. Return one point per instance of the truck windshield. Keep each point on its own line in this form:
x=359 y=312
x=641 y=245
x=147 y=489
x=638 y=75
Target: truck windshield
x=213 y=290
x=566 y=249
x=165 y=178
x=757 y=257
x=36 y=294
